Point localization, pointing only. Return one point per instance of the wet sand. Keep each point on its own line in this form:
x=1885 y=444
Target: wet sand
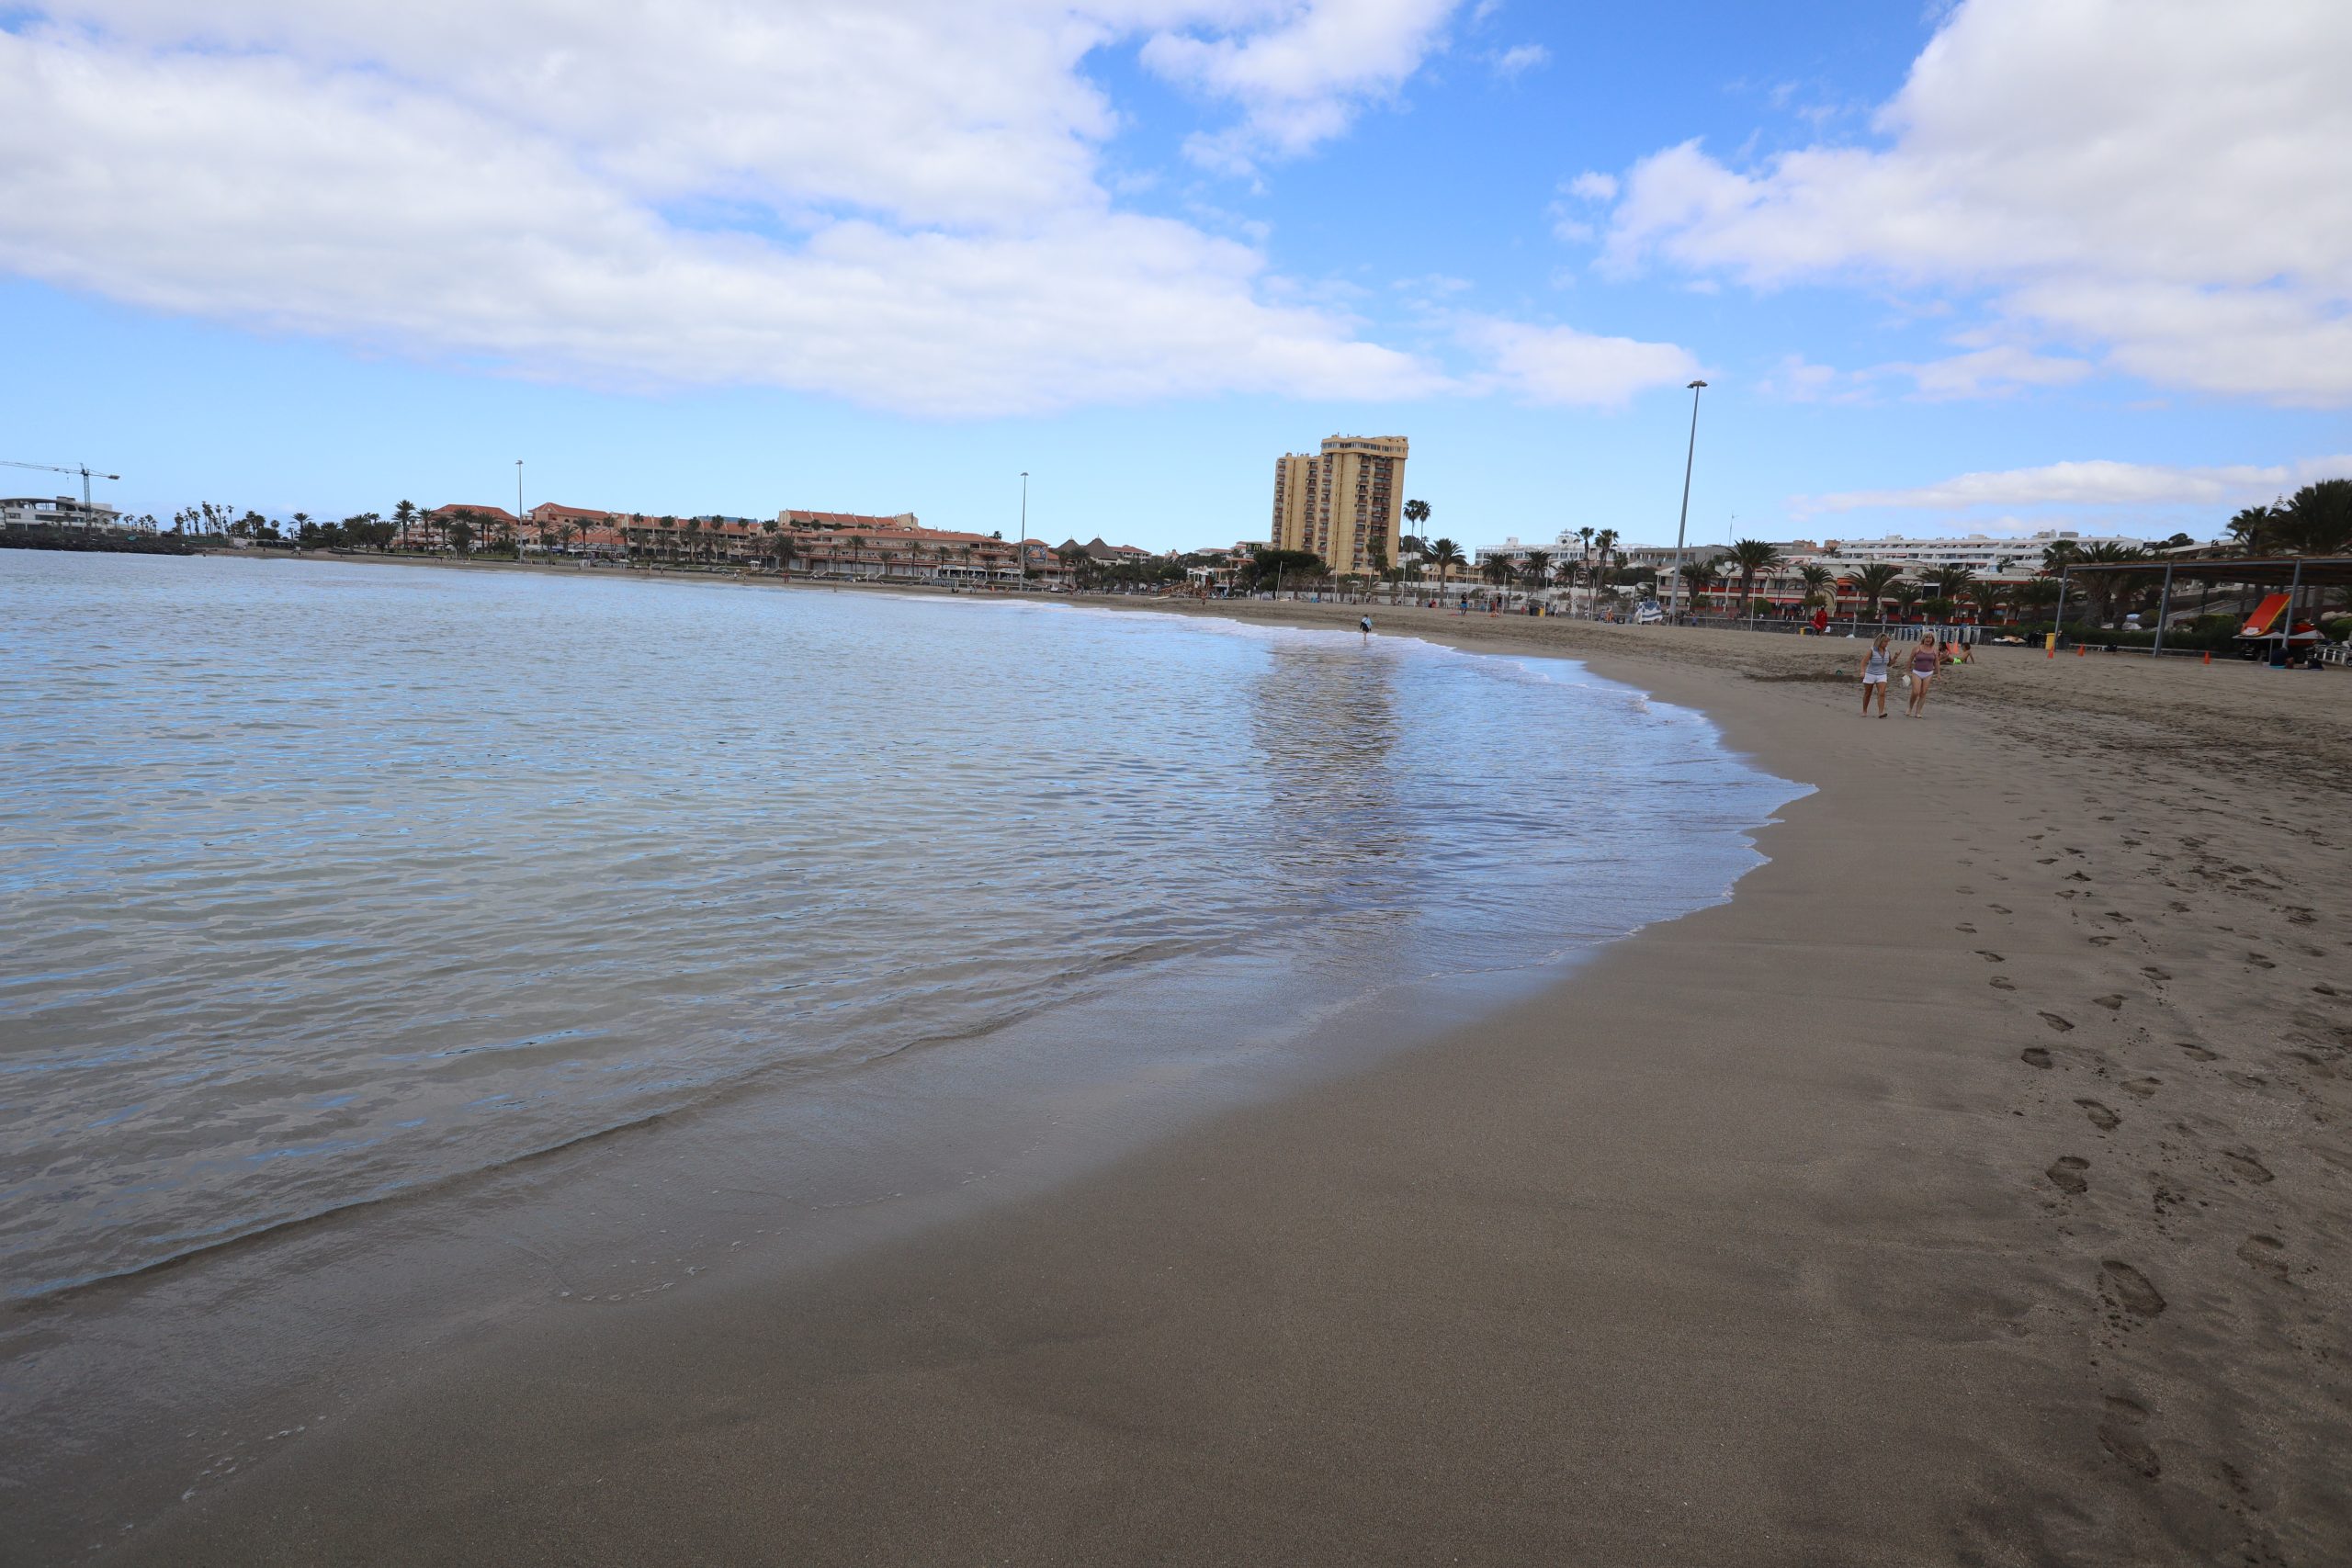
x=1972 y=1187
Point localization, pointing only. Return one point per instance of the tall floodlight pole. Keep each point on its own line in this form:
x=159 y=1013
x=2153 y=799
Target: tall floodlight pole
x=1020 y=545
x=519 y=500
x=1675 y=613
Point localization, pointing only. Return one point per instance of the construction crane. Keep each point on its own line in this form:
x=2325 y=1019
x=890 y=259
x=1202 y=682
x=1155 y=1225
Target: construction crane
x=82 y=469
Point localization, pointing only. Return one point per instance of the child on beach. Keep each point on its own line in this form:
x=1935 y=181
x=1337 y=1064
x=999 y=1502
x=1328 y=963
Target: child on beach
x=1874 y=676
x=1923 y=669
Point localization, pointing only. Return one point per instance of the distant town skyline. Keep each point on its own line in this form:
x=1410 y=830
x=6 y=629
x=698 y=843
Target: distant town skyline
x=1995 y=266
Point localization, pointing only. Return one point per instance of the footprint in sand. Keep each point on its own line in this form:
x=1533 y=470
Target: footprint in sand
x=2160 y=975
x=2266 y=1253
x=2199 y=1053
x=2132 y=1288
x=2102 y=941
x=2112 y=1004
x=1970 y=929
x=2065 y=1174
x=2034 y=1057
x=1989 y=956
x=2143 y=1088
x=2061 y=1024
x=2120 y=1434
x=2259 y=961
x=2101 y=1117
x=2002 y=983
x=2248 y=1167
x=1998 y=908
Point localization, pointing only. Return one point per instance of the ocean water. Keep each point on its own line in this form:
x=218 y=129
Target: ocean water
x=322 y=881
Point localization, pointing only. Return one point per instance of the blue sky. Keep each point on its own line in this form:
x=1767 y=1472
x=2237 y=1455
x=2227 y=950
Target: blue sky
x=1995 y=266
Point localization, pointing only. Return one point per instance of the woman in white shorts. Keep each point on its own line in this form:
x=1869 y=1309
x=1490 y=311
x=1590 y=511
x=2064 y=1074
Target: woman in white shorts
x=1874 y=677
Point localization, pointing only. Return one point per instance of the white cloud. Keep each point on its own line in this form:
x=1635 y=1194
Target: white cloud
x=1570 y=208
x=1560 y=365
x=2159 y=180
x=1796 y=379
x=1510 y=64
x=2091 y=483
x=897 y=203
x=1987 y=371
x=1299 y=70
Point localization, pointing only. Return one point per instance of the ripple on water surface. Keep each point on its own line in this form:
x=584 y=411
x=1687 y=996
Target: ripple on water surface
x=322 y=880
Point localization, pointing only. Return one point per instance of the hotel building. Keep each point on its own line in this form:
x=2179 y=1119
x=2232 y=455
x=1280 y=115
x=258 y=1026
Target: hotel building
x=1343 y=504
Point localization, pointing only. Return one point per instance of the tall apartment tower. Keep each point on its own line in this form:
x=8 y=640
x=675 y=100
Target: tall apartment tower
x=1343 y=503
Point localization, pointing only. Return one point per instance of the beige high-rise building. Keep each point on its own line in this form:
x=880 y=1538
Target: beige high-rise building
x=1343 y=503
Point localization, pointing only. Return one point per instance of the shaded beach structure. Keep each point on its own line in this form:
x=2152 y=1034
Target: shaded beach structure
x=2276 y=623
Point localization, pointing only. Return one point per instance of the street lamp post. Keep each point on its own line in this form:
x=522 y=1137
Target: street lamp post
x=518 y=509
x=1674 y=614
x=1020 y=545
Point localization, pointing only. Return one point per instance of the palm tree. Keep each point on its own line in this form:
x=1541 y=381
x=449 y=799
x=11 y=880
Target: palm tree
x=1906 y=593
x=1605 y=542
x=1872 y=581
x=1498 y=571
x=1817 y=580
x=2318 y=520
x=1751 y=556
x=461 y=531
x=1443 y=553
x=563 y=534
x=1951 y=581
x=2251 y=526
x=2033 y=595
x=1586 y=534
x=2057 y=553
x=1417 y=513
x=403 y=513
x=2100 y=587
x=1538 y=567
x=1698 y=574
x=1986 y=598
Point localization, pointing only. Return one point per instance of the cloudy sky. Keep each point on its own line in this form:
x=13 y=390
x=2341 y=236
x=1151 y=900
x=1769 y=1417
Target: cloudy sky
x=1993 y=265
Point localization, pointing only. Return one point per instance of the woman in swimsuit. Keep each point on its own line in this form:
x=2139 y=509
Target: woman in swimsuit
x=1923 y=669
x=1874 y=676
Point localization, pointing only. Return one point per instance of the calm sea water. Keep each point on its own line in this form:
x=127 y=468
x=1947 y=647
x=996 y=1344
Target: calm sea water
x=322 y=881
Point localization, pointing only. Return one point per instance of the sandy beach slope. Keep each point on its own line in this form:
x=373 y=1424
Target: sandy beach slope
x=1973 y=1187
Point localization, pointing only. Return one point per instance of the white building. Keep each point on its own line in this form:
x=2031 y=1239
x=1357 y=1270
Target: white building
x=65 y=511
x=1571 y=546
x=1980 y=553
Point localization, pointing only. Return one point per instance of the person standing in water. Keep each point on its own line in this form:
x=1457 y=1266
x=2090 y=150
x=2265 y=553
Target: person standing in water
x=1365 y=622
x=1874 y=676
x=1923 y=669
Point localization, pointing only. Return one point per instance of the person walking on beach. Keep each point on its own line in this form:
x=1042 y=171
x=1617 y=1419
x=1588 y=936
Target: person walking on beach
x=1365 y=622
x=1874 y=676
x=1923 y=669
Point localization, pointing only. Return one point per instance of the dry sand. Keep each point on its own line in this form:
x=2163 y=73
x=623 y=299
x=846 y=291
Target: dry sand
x=1973 y=1187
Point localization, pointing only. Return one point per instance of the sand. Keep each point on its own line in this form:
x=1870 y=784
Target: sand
x=1972 y=1187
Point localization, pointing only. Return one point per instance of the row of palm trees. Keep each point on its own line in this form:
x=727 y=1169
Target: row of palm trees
x=1876 y=584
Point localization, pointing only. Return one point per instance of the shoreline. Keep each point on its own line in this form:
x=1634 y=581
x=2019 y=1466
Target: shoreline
x=1737 y=1246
